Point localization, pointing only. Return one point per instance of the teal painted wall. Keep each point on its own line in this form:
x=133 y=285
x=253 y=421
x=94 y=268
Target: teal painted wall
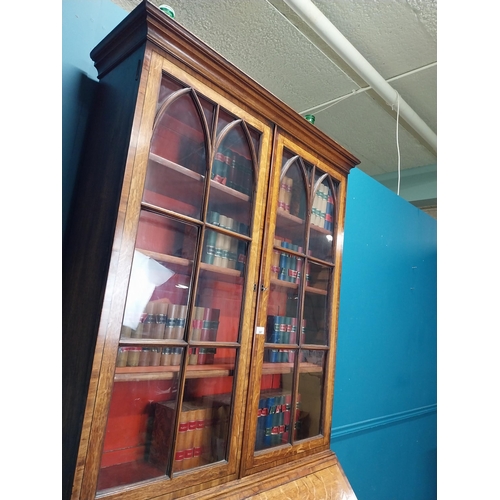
x=85 y=24
x=384 y=416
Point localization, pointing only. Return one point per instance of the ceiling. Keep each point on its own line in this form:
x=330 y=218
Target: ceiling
x=271 y=43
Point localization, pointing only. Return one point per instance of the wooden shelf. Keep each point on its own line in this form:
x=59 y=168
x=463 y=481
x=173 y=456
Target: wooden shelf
x=181 y=179
x=316 y=291
x=275 y=368
x=284 y=284
x=225 y=191
x=139 y=373
x=183 y=173
x=294 y=286
x=287 y=219
x=221 y=271
x=168 y=259
x=320 y=230
x=149 y=341
x=180 y=265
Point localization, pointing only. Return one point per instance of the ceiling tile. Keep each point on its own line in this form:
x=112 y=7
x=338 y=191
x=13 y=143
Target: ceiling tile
x=395 y=36
x=361 y=126
x=256 y=38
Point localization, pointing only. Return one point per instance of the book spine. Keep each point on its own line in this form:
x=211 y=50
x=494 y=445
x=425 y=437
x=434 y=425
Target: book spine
x=261 y=418
x=149 y=321
x=324 y=203
x=286 y=419
x=208 y=255
x=179 y=322
x=181 y=443
x=329 y=211
x=160 y=310
x=206 y=325
x=199 y=419
x=292 y=269
x=197 y=323
x=214 y=324
x=189 y=460
x=293 y=331
x=282 y=195
x=271 y=409
x=219 y=250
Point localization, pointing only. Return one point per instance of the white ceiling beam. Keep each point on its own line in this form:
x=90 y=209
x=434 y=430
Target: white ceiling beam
x=322 y=26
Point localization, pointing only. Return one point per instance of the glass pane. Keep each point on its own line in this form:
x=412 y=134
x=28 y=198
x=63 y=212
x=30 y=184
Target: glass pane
x=147 y=367
x=161 y=278
x=177 y=165
x=224 y=251
x=285 y=266
x=128 y=456
x=206 y=410
x=292 y=205
x=220 y=288
x=322 y=224
x=232 y=185
x=311 y=380
x=255 y=135
x=282 y=314
x=316 y=305
x=274 y=418
x=168 y=87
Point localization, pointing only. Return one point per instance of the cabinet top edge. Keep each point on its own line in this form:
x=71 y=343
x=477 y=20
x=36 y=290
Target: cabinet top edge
x=146 y=23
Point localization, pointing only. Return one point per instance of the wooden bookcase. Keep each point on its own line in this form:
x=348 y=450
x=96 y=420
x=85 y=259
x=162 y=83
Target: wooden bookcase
x=201 y=280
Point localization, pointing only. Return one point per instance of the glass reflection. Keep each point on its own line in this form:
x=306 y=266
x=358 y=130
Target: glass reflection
x=311 y=379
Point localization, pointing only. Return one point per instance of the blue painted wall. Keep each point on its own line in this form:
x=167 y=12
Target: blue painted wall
x=384 y=419
x=85 y=24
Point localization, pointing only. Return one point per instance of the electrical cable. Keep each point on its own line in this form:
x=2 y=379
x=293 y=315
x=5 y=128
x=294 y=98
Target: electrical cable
x=397 y=144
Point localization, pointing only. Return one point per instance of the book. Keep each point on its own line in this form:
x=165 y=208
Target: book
x=210 y=324
x=208 y=254
x=197 y=323
x=179 y=322
x=160 y=311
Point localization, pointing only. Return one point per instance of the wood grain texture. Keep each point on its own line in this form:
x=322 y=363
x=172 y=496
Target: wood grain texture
x=99 y=251
x=316 y=478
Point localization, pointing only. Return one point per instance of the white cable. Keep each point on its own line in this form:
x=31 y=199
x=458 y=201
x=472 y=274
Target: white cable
x=397 y=144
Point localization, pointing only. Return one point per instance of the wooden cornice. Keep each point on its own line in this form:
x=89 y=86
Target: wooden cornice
x=147 y=25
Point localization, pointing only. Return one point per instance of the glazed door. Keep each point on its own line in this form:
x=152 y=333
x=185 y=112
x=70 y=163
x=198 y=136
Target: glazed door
x=176 y=357
x=294 y=345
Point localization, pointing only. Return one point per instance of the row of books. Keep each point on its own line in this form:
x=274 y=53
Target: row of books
x=274 y=419
x=283 y=329
x=201 y=438
x=285 y=266
x=224 y=251
x=279 y=355
x=323 y=208
x=163 y=356
x=285 y=194
x=221 y=220
x=163 y=320
x=233 y=170
x=205 y=323
x=291 y=197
